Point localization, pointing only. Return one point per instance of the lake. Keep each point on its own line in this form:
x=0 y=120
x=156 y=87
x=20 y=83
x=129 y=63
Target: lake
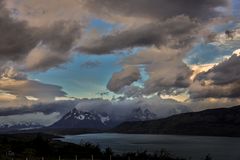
x=196 y=147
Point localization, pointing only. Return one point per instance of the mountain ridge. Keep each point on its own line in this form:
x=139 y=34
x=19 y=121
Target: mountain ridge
x=83 y=119
x=7 y=127
x=211 y=122
x=99 y=120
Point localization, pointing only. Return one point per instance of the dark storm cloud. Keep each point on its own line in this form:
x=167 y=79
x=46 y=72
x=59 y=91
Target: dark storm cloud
x=222 y=81
x=224 y=73
x=200 y=91
x=61 y=35
x=164 y=17
x=54 y=48
x=177 y=31
x=171 y=26
x=156 y=9
x=18 y=40
x=123 y=78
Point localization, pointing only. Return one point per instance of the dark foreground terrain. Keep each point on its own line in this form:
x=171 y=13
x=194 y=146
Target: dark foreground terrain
x=212 y=122
x=43 y=146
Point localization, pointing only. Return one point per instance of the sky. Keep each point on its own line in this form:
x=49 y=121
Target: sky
x=117 y=54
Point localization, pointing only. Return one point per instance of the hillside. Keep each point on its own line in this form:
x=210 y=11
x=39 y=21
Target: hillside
x=212 y=122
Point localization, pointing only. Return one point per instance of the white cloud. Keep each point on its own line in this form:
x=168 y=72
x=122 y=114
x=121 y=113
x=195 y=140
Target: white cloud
x=31 y=98
x=35 y=118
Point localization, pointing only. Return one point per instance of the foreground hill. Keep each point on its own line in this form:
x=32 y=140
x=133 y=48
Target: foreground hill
x=212 y=122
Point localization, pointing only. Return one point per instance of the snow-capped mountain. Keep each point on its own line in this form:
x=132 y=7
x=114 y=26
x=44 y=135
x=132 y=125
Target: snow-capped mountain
x=97 y=120
x=82 y=119
x=19 y=126
x=139 y=114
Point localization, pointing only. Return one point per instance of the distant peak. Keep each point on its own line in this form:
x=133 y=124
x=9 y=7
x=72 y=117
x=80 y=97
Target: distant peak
x=74 y=110
x=138 y=109
x=147 y=111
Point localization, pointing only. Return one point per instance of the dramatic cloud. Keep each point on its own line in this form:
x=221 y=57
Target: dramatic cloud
x=165 y=69
x=175 y=32
x=16 y=38
x=223 y=80
x=45 y=12
x=54 y=47
x=37 y=118
x=39 y=35
x=155 y=9
x=173 y=29
x=123 y=78
x=40 y=48
x=223 y=73
x=199 y=90
x=9 y=72
x=229 y=35
x=23 y=88
x=16 y=84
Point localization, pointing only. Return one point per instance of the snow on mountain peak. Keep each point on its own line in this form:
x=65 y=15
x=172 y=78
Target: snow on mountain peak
x=104 y=118
x=84 y=115
x=19 y=126
x=142 y=115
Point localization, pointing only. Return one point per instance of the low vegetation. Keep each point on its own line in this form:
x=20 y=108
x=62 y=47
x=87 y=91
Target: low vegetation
x=45 y=147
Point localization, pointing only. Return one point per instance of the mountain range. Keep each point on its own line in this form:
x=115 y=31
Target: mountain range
x=82 y=119
x=79 y=119
x=212 y=122
x=139 y=114
x=7 y=127
x=99 y=120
